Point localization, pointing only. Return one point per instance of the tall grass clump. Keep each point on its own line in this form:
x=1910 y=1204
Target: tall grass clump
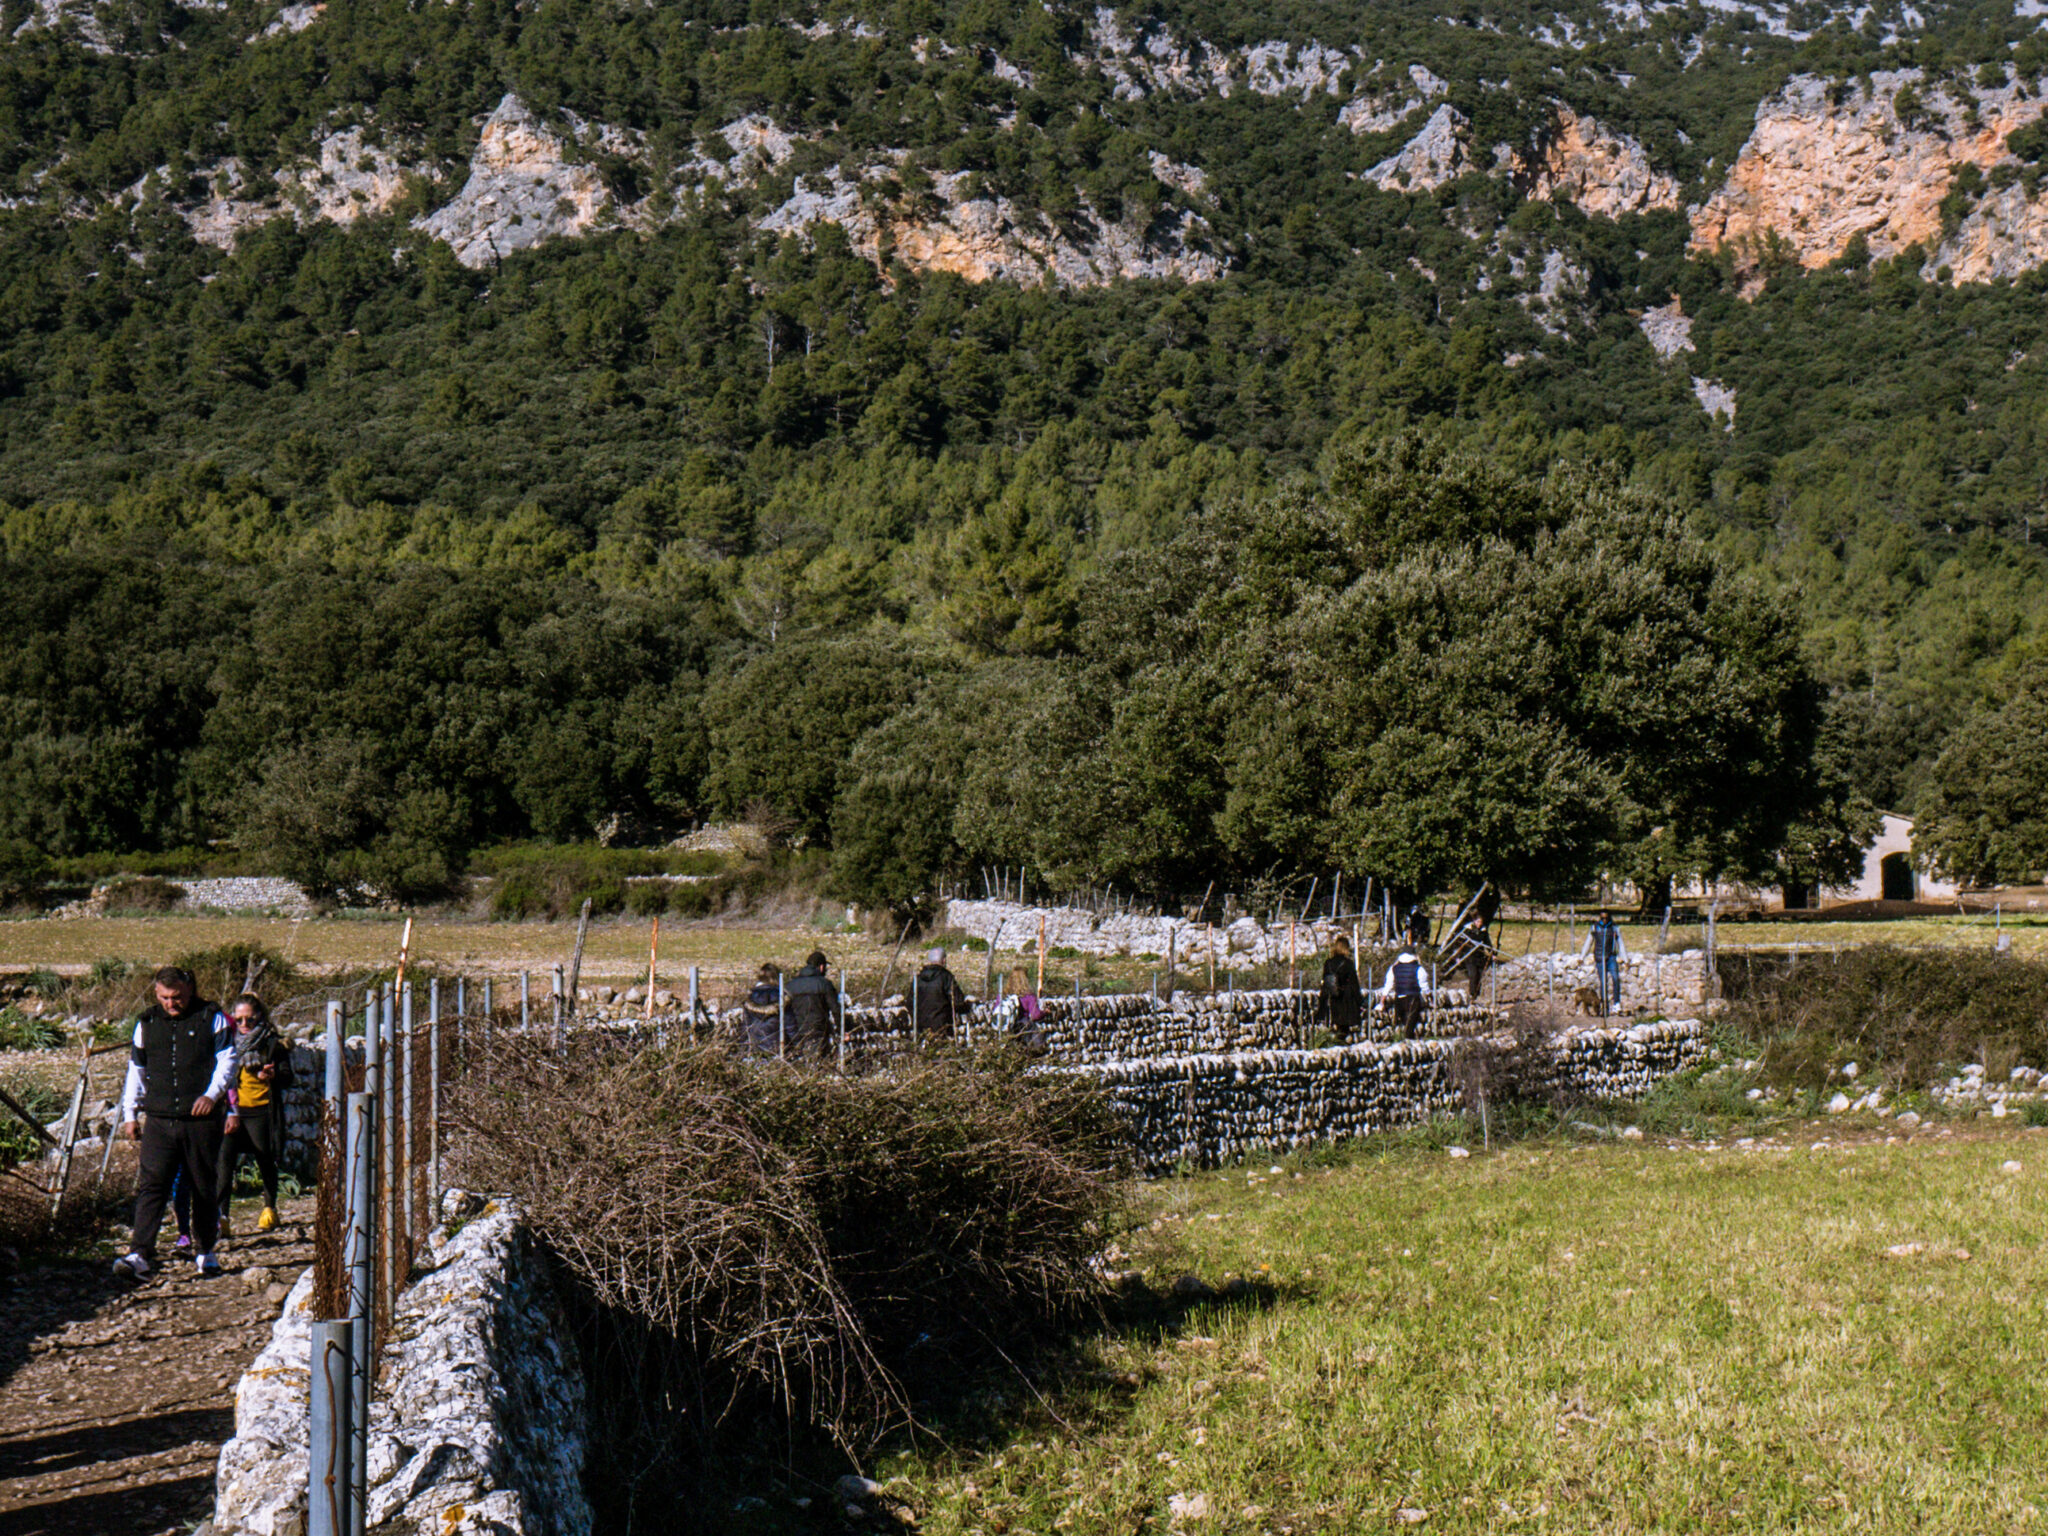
x=1909 y=1014
x=815 y=1248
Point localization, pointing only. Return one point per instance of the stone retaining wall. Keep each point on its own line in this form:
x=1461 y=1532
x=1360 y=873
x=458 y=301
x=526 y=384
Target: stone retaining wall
x=477 y=1427
x=1205 y=1110
x=1124 y=1026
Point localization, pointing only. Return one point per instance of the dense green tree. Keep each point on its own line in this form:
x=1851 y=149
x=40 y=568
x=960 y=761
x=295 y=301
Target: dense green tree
x=1984 y=817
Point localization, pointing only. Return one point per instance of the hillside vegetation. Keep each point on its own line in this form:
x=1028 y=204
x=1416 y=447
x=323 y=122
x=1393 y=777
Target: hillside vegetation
x=315 y=461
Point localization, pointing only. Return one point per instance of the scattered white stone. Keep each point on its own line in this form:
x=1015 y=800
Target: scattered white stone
x=2009 y=1166
x=1411 y=1516
x=1716 y=399
x=1632 y=1133
x=1457 y=1152
x=1908 y=1120
x=1839 y=1104
x=1905 y=1250
x=1850 y=1070
x=1188 y=1506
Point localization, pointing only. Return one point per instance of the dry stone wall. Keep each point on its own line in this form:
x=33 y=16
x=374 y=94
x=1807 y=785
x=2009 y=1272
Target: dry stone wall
x=1649 y=983
x=1010 y=925
x=478 y=1425
x=1126 y=1026
x=1202 y=1111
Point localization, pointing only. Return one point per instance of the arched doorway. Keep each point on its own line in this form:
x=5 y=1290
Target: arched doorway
x=1895 y=874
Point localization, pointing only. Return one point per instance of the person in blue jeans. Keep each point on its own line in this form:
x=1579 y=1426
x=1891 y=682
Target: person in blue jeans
x=1603 y=942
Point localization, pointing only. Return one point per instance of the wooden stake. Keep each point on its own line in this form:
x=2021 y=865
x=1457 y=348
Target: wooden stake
x=576 y=961
x=1041 y=957
x=653 y=952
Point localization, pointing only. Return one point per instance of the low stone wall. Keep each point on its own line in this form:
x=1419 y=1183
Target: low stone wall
x=1206 y=1110
x=477 y=1426
x=1649 y=983
x=1123 y=1026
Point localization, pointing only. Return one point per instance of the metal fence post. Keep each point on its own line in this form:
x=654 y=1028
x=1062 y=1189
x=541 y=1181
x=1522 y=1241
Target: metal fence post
x=434 y=1111
x=328 y=1480
x=842 y=1022
x=488 y=1026
x=358 y=1242
x=525 y=1001
x=781 y=1024
x=336 y=1065
x=913 y=1013
x=407 y=1151
x=387 y=1127
x=693 y=1001
x=461 y=1015
x=559 y=1004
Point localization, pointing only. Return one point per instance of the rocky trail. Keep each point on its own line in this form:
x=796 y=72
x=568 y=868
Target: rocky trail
x=115 y=1398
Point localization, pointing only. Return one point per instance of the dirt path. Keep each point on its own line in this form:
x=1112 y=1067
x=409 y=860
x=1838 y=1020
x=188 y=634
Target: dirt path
x=115 y=1398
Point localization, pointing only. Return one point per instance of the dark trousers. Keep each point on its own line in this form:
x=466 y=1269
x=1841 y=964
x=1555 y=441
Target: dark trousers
x=1407 y=1013
x=169 y=1145
x=256 y=1136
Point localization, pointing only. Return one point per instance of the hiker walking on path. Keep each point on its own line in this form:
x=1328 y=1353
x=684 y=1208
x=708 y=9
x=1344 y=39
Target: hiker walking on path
x=263 y=1070
x=811 y=1010
x=1603 y=942
x=1340 y=998
x=180 y=1062
x=941 y=1001
x=1407 y=983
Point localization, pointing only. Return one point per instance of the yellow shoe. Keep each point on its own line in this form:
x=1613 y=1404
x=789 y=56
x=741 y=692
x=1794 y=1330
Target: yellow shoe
x=267 y=1220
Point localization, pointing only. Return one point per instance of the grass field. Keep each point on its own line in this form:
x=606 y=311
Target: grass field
x=1623 y=1337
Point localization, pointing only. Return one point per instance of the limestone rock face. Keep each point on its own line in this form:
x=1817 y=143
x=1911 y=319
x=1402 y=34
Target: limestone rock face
x=2004 y=235
x=985 y=239
x=524 y=187
x=1668 y=328
x=1441 y=152
x=1601 y=171
x=1817 y=172
x=1383 y=111
x=354 y=179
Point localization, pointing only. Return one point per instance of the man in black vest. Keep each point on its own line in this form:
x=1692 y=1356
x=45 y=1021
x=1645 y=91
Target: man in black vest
x=1408 y=984
x=179 y=1063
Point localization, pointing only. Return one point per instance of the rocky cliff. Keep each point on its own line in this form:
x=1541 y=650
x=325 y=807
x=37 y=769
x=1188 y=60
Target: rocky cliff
x=1827 y=163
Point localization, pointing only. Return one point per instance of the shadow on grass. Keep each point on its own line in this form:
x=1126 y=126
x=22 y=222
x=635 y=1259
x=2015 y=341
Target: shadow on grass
x=661 y=1458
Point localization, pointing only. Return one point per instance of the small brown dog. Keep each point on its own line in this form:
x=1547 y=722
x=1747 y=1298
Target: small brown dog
x=1587 y=1001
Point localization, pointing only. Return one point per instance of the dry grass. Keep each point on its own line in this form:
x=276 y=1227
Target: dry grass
x=1622 y=1338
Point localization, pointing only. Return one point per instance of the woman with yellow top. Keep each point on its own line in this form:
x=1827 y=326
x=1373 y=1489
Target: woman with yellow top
x=263 y=1070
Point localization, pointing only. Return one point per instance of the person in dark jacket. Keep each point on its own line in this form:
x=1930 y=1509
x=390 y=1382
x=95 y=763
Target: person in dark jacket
x=762 y=1017
x=1407 y=985
x=255 y=1128
x=1604 y=944
x=181 y=1059
x=941 y=1002
x=1340 y=997
x=811 y=1010
x=1480 y=937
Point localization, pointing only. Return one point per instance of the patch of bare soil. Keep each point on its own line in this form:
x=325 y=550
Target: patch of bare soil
x=115 y=1398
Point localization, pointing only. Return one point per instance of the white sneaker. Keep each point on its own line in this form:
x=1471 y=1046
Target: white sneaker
x=132 y=1266
x=207 y=1264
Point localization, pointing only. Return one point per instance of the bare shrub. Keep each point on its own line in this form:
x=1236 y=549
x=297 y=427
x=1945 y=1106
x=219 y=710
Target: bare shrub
x=1906 y=1013
x=797 y=1233
x=141 y=893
